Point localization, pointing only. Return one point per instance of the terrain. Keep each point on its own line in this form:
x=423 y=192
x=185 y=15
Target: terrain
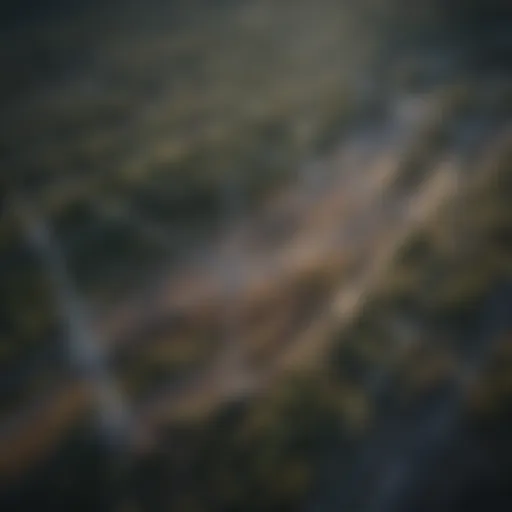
x=256 y=257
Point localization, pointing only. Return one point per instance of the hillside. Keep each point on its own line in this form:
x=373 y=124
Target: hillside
x=256 y=256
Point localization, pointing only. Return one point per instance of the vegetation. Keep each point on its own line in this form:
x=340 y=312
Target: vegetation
x=127 y=140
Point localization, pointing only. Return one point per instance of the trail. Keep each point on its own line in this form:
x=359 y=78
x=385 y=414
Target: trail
x=347 y=221
x=299 y=226
x=84 y=348
x=337 y=224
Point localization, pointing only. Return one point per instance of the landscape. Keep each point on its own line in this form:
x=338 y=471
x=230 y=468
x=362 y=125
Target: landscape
x=256 y=255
